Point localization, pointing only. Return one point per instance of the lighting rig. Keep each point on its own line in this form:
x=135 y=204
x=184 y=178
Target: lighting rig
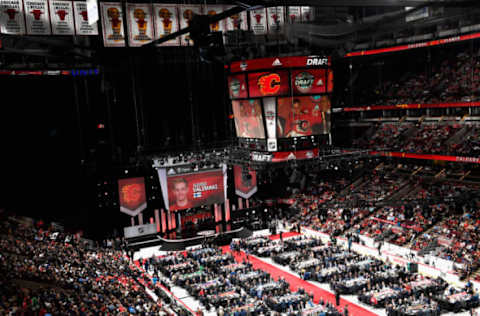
x=255 y=160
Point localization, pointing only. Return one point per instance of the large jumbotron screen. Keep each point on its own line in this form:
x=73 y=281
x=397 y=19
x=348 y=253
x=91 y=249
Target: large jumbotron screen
x=281 y=97
x=303 y=116
x=248 y=118
x=183 y=190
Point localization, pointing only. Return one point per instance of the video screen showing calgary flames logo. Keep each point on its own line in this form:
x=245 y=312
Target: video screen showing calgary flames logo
x=132 y=195
x=262 y=84
x=303 y=116
x=248 y=118
x=195 y=189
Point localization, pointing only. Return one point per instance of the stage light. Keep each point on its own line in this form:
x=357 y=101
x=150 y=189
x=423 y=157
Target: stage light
x=126 y=171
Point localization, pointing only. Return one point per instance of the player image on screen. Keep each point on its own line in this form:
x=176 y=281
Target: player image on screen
x=248 y=119
x=180 y=192
x=303 y=116
x=191 y=190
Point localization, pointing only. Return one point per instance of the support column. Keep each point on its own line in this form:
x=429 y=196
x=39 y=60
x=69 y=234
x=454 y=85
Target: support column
x=164 y=221
x=140 y=218
x=157 y=220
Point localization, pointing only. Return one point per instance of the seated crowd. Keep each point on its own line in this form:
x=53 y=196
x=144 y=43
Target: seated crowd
x=47 y=272
x=455 y=77
x=219 y=282
x=424 y=138
x=379 y=284
x=418 y=206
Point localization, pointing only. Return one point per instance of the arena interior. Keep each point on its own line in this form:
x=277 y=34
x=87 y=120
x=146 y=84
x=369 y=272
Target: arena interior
x=297 y=158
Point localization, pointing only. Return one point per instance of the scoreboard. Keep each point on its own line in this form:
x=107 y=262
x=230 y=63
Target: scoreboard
x=280 y=98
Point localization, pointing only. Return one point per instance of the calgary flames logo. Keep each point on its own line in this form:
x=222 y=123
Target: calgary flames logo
x=132 y=193
x=269 y=84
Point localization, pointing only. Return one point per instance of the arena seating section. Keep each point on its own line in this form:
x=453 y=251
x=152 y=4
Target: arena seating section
x=43 y=271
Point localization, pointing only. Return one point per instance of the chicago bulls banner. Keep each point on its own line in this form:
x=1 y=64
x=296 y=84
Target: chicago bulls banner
x=187 y=12
x=275 y=18
x=140 y=24
x=61 y=17
x=132 y=195
x=308 y=14
x=237 y=21
x=12 y=20
x=245 y=181
x=212 y=10
x=294 y=15
x=36 y=17
x=258 y=21
x=165 y=17
x=82 y=27
x=112 y=23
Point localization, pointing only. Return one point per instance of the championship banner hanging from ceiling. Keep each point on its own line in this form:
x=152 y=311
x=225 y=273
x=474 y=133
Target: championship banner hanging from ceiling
x=186 y=14
x=245 y=181
x=12 y=18
x=112 y=23
x=36 y=17
x=82 y=27
x=132 y=195
x=307 y=14
x=61 y=17
x=294 y=15
x=165 y=17
x=258 y=21
x=275 y=18
x=237 y=21
x=140 y=24
x=218 y=26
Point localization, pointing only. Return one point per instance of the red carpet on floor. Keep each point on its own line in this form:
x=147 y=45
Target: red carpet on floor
x=284 y=235
x=296 y=282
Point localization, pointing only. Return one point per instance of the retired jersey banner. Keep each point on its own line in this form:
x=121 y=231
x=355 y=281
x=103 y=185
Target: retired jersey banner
x=132 y=195
x=213 y=10
x=258 y=21
x=37 y=17
x=245 y=181
x=294 y=15
x=12 y=20
x=140 y=24
x=165 y=17
x=309 y=81
x=275 y=18
x=237 y=21
x=186 y=14
x=112 y=23
x=61 y=17
x=188 y=190
x=308 y=14
x=82 y=26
